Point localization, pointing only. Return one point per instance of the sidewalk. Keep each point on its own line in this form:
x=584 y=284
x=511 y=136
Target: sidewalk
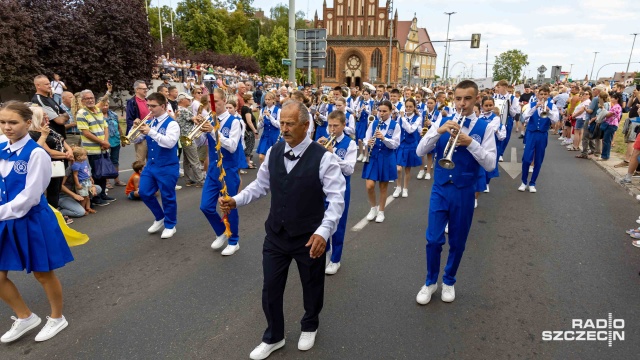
x=617 y=173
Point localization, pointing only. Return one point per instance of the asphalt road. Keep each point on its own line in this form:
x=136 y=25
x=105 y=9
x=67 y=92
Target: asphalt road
x=533 y=263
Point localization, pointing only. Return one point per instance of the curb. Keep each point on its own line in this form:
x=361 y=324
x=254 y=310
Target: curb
x=632 y=189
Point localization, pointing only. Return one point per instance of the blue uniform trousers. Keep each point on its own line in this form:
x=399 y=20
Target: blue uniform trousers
x=502 y=145
x=337 y=240
x=165 y=178
x=209 y=200
x=448 y=204
x=536 y=144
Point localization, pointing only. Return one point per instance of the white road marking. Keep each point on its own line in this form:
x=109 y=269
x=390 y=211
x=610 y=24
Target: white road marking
x=362 y=223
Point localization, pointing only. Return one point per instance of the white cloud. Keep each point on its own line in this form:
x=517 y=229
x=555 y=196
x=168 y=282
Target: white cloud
x=610 y=9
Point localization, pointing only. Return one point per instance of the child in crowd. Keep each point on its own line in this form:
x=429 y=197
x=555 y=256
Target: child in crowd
x=134 y=181
x=82 y=177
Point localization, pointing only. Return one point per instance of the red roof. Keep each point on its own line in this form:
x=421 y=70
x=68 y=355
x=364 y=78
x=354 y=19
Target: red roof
x=403 y=33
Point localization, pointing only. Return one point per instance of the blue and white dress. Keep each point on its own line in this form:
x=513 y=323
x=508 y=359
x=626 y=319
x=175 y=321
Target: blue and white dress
x=30 y=237
x=433 y=116
x=271 y=129
x=382 y=161
x=410 y=136
x=361 y=125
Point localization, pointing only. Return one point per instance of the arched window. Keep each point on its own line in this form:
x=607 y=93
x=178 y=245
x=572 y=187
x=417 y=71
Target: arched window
x=330 y=71
x=376 y=62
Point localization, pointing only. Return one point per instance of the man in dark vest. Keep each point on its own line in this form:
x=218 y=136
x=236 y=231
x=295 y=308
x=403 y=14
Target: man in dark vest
x=298 y=226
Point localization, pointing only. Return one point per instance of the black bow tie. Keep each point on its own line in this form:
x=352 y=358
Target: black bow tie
x=291 y=156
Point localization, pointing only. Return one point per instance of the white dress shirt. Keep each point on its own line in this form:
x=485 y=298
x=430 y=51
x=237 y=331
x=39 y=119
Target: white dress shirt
x=333 y=185
x=410 y=127
x=229 y=142
x=348 y=164
x=167 y=140
x=38 y=177
x=485 y=153
x=392 y=143
x=494 y=123
x=350 y=129
x=554 y=114
x=195 y=104
x=311 y=126
x=275 y=120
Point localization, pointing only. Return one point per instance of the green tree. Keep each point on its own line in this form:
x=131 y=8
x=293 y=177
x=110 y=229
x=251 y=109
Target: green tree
x=232 y=5
x=165 y=15
x=237 y=24
x=201 y=26
x=240 y=47
x=280 y=17
x=271 y=51
x=508 y=65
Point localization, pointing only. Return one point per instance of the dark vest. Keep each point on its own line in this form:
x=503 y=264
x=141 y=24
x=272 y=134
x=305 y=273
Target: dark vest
x=297 y=198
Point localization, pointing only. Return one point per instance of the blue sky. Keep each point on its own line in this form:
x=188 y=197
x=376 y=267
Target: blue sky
x=550 y=32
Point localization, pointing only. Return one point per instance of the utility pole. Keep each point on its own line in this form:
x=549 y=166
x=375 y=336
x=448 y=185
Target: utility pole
x=160 y=25
x=570 y=68
x=444 y=66
x=390 y=41
x=292 y=41
x=632 y=45
x=486 y=64
x=595 y=53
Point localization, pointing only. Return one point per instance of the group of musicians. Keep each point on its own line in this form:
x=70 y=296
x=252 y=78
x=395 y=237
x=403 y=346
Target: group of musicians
x=308 y=154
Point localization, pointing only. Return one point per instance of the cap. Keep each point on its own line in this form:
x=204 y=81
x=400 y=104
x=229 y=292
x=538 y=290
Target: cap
x=600 y=87
x=184 y=95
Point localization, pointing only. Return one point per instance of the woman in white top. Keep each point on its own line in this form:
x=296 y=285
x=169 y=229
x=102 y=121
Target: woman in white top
x=30 y=237
x=581 y=117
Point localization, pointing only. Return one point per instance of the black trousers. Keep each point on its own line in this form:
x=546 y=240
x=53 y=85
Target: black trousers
x=53 y=191
x=278 y=251
x=100 y=182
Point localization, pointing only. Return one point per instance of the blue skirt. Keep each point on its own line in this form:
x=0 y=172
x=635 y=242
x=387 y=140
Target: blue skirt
x=33 y=242
x=481 y=182
x=266 y=141
x=494 y=173
x=361 y=129
x=406 y=155
x=381 y=167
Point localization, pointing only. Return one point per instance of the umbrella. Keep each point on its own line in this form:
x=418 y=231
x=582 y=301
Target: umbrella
x=369 y=86
x=426 y=89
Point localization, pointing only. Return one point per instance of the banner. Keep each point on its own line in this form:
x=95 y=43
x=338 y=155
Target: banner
x=519 y=88
x=484 y=83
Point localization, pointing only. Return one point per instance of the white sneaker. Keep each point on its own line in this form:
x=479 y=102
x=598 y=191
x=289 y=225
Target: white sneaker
x=448 y=293
x=421 y=174
x=372 y=213
x=427 y=176
x=532 y=189
x=332 y=268
x=397 y=191
x=181 y=172
x=219 y=242
x=522 y=187
x=20 y=327
x=638 y=197
x=500 y=159
x=230 y=250
x=561 y=138
x=263 y=350
x=405 y=193
x=157 y=225
x=476 y=204
x=380 y=217
x=424 y=296
x=446 y=228
x=178 y=187
x=530 y=169
x=307 y=339
x=487 y=189
x=52 y=328
x=360 y=157
x=167 y=233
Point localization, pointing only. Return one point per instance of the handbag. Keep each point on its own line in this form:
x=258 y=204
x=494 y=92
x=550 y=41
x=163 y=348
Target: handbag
x=103 y=167
x=604 y=126
x=57 y=169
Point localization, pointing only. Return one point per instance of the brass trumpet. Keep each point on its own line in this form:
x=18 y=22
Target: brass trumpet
x=196 y=132
x=447 y=161
x=544 y=111
x=135 y=132
x=331 y=141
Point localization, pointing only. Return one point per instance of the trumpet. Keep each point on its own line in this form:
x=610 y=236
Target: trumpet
x=196 y=132
x=135 y=132
x=367 y=154
x=331 y=141
x=447 y=161
x=324 y=99
x=544 y=111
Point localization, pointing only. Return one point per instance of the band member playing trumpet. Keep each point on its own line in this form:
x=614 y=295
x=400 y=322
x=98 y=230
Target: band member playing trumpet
x=163 y=168
x=406 y=157
x=269 y=121
x=365 y=109
x=469 y=144
x=430 y=115
x=541 y=114
x=512 y=108
x=345 y=149
x=230 y=135
x=191 y=162
x=489 y=113
x=383 y=137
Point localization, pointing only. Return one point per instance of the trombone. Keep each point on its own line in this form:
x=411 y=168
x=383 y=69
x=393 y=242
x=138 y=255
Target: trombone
x=196 y=132
x=135 y=132
x=447 y=161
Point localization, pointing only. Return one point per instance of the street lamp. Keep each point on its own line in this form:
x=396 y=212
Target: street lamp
x=444 y=66
x=595 y=53
x=598 y=73
x=475 y=43
x=634 y=42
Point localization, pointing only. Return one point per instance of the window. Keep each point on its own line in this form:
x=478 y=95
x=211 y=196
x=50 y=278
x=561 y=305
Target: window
x=376 y=61
x=330 y=71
